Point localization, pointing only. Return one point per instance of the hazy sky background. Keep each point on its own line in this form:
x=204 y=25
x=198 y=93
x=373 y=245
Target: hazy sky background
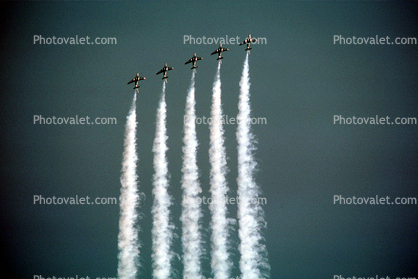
x=299 y=81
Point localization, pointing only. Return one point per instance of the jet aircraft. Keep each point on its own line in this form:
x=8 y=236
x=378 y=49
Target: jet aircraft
x=248 y=41
x=136 y=79
x=164 y=71
x=193 y=60
x=219 y=52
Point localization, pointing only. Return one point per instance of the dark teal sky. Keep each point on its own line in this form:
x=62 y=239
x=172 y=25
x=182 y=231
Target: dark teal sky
x=299 y=81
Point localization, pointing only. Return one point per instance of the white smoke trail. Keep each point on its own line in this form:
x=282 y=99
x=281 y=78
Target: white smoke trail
x=129 y=199
x=191 y=212
x=162 y=230
x=220 y=262
x=253 y=259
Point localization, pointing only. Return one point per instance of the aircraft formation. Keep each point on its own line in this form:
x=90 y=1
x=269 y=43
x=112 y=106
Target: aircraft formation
x=193 y=60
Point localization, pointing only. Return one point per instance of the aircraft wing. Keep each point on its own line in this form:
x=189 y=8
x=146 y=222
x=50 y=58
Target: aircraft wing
x=254 y=40
x=216 y=51
x=199 y=58
x=225 y=49
x=160 y=71
x=244 y=42
x=170 y=68
x=131 y=81
x=190 y=61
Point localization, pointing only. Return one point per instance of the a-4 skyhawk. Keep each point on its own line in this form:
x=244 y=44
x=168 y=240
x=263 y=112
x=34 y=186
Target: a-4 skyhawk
x=136 y=79
x=248 y=41
x=193 y=60
x=164 y=71
x=219 y=52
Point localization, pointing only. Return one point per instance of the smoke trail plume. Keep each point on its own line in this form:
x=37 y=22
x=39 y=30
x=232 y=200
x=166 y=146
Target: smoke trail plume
x=253 y=262
x=220 y=262
x=162 y=230
x=191 y=211
x=129 y=199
